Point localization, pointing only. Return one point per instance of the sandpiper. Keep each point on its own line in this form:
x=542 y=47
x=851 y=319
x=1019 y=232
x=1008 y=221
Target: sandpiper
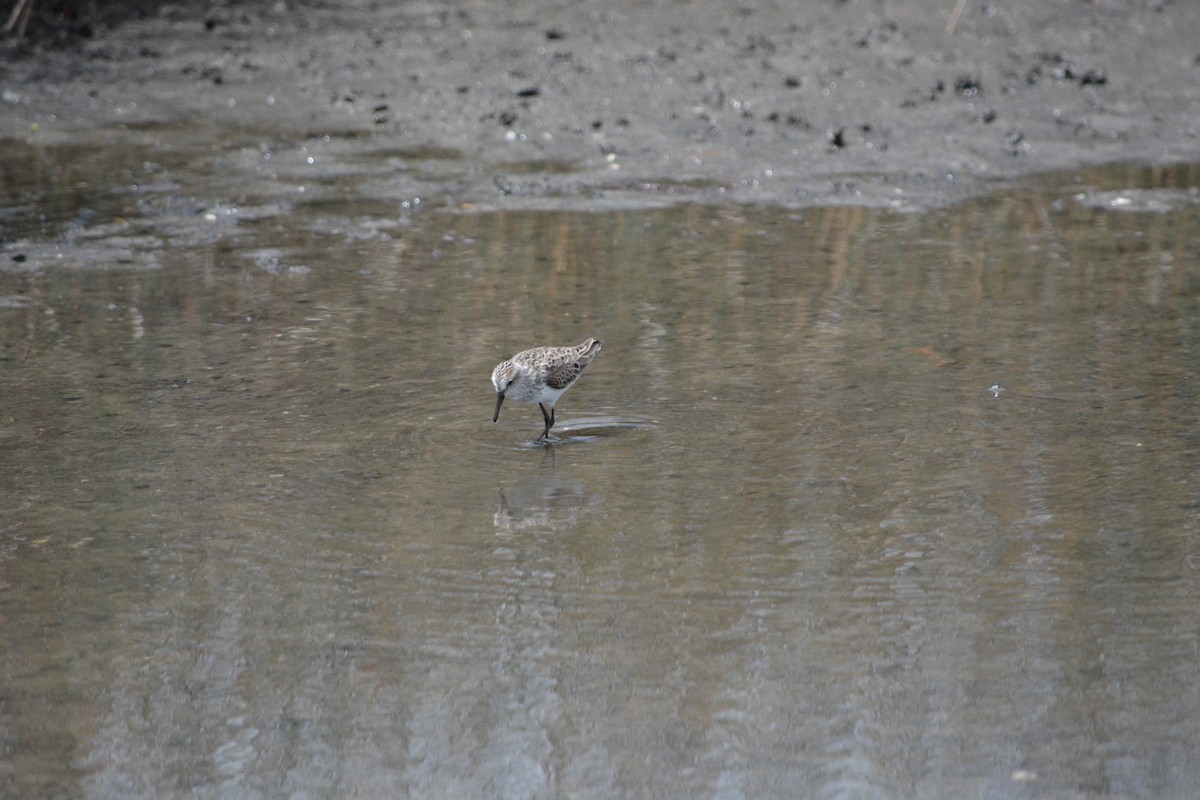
x=540 y=376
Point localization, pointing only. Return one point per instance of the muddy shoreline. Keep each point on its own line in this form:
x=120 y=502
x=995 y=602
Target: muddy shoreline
x=552 y=104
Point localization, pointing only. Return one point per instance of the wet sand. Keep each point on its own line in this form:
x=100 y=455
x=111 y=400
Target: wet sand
x=593 y=104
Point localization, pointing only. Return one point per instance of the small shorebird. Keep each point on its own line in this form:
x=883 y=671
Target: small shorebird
x=540 y=376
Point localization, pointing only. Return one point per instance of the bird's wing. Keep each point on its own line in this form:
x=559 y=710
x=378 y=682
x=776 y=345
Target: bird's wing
x=561 y=372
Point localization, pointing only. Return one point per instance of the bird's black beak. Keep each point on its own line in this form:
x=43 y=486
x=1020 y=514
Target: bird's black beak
x=499 y=400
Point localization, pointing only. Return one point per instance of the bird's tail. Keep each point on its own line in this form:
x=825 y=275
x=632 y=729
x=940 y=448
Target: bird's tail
x=588 y=350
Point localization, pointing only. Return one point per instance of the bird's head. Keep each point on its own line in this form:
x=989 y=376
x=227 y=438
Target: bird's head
x=502 y=377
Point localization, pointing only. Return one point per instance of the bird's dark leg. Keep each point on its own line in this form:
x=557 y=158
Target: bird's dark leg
x=549 y=420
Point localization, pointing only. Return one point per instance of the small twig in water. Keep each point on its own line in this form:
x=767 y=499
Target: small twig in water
x=954 y=15
x=18 y=19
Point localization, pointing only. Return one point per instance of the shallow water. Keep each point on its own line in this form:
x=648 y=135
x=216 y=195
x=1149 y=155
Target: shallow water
x=260 y=537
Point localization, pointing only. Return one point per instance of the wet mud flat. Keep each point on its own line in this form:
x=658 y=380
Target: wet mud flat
x=596 y=105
